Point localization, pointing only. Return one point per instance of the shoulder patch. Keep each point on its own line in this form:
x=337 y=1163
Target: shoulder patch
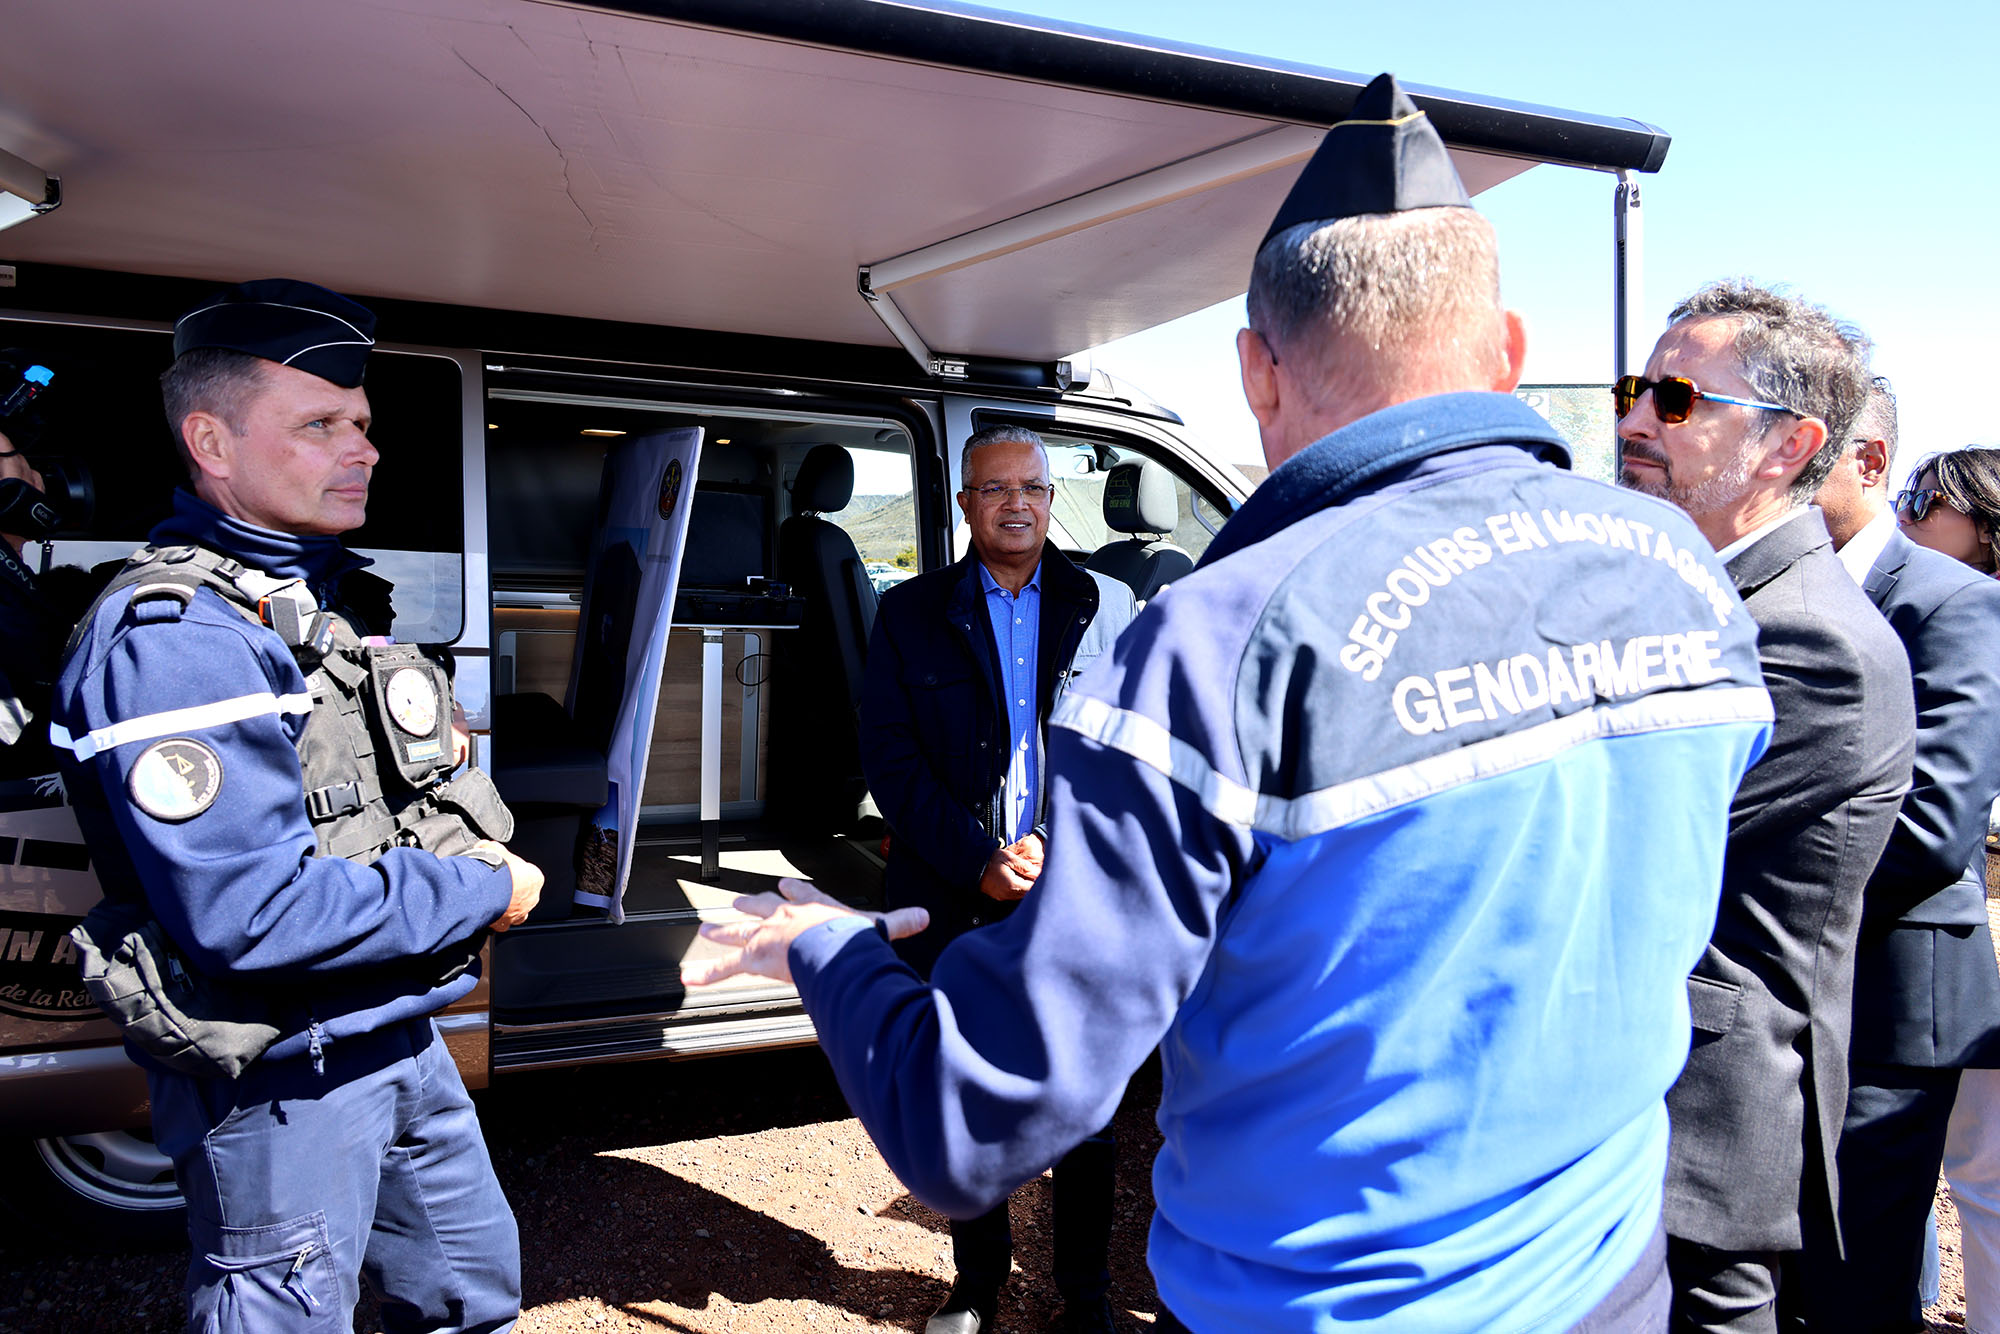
x=176 y=779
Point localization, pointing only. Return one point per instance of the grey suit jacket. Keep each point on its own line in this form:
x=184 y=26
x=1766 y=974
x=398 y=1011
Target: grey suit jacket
x=1926 y=992
x=1757 y=1111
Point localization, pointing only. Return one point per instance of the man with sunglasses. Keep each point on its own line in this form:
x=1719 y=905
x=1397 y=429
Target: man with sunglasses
x=965 y=666
x=1737 y=420
x=1926 y=993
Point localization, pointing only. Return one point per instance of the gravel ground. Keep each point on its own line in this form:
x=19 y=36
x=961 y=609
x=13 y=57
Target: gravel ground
x=728 y=1195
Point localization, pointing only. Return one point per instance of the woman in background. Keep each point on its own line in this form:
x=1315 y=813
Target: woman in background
x=1953 y=506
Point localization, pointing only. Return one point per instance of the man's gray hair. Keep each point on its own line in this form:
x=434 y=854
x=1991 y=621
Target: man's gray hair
x=1877 y=421
x=1396 y=300
x=997 y=435
x=1795 y=353
x=209 y=379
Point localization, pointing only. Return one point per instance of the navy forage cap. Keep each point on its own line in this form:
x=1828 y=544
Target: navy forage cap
x=291 y=323
x=1384 y=158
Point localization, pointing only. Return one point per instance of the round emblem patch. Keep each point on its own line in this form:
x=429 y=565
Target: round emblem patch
x=176 y=779
x=670 y=488
x=413 y=701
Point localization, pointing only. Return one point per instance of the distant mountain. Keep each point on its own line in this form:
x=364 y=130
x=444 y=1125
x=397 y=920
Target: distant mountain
x=881 y=526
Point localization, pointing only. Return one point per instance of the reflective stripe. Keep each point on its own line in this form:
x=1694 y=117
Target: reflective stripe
x=1294 y=818
x=152 y=725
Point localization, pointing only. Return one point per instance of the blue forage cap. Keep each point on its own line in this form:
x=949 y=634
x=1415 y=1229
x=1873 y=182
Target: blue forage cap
x=1386 y=157
x=289 y=322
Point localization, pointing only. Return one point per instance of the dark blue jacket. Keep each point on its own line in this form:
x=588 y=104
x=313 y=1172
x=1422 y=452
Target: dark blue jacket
x=1397 y=826
x=1926 y=992
x=934 y=742
x=238 y=885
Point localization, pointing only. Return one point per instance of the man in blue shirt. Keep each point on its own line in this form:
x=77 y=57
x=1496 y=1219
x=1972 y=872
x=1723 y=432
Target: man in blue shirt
x=965 y=665
x=1397 y=826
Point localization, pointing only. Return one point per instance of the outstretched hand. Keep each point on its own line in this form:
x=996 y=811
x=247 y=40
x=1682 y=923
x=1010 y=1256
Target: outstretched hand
x=762 y=945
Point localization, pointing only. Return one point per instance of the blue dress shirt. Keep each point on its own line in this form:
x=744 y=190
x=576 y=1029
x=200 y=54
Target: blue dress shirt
x=1017 y=623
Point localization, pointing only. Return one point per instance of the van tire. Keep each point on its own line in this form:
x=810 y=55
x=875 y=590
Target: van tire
x=110 y=1191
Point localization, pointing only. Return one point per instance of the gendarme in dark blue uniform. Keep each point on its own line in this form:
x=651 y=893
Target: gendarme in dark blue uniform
x=350 y=1145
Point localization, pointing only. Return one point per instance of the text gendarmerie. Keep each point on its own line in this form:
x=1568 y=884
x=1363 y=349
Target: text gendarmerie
x=1434 y=564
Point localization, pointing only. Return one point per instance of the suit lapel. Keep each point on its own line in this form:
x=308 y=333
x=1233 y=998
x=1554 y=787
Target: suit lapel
x=1887 y=569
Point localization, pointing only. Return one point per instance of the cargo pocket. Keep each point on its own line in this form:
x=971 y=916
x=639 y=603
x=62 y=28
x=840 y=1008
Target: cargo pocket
x=1712 y=1006
x=277 y=1277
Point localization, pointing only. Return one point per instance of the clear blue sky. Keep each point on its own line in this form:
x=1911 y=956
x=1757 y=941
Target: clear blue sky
x=1841 y=148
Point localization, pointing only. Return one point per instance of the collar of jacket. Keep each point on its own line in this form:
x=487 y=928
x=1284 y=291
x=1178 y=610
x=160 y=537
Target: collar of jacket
x=1778 y=550
x=1061 y=580
x=1887 y=570
x=1333 y=467
x=320 y=561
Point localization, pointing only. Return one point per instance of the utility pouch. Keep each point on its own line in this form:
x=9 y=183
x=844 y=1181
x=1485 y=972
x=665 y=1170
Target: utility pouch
x=410 y=705
x=473 y=797
x=182 y=1019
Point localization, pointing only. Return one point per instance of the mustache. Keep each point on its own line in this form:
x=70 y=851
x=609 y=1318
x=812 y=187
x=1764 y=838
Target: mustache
x=1633 y=449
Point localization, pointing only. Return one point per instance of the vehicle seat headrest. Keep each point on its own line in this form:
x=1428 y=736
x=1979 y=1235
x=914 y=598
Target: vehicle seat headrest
x=825 y=482
x=1139 y=498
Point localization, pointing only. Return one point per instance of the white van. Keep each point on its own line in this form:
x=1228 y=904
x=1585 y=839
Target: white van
x=853 y=225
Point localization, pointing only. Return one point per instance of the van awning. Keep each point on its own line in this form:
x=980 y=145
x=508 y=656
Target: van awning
x=1025 y=189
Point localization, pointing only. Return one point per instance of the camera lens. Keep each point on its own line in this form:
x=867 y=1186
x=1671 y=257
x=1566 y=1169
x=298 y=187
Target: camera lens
x=70 y=488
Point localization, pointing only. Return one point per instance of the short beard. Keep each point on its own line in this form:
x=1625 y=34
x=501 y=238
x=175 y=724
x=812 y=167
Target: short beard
x=1719 y=492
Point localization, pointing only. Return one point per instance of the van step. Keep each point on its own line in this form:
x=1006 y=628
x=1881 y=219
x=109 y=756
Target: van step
x=643 y=1039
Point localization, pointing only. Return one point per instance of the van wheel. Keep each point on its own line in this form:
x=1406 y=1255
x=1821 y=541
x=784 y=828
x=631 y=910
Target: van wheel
x=111 y=1191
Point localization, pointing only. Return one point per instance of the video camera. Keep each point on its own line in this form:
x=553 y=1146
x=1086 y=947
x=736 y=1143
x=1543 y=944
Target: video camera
x=68 y=494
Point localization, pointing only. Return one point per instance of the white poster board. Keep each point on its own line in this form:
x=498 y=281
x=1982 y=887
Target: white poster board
x=621 y=640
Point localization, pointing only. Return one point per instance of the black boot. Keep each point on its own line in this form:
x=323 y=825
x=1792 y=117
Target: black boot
x=966 y=1310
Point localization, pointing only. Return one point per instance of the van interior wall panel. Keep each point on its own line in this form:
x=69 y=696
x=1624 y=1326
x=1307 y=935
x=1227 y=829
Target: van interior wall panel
x=543 y=643
x=563 y=161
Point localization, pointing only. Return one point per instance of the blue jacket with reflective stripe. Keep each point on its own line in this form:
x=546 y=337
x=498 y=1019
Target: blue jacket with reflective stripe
x=1398 y=826
x=237 y=885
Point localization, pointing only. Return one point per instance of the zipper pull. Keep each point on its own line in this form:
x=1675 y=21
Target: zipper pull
x=293 y=1284
x=317 y=1048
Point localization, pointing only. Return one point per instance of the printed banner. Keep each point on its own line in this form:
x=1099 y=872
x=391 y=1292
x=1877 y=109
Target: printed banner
x=621 y=641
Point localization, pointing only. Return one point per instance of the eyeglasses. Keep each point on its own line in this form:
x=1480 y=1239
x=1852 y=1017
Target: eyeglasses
x=1674 y=397
x=1032 y=492
x=1918 y=504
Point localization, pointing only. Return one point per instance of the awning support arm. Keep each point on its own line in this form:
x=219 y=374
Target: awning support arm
x=1286 y=146
x=1627 y=282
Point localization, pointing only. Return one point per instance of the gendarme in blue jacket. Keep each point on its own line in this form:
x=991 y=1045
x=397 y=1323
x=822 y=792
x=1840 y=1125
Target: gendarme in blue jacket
x=237 y=885
x=1398 y=825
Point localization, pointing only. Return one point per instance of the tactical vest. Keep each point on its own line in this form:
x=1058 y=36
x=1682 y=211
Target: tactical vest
x=375 y=754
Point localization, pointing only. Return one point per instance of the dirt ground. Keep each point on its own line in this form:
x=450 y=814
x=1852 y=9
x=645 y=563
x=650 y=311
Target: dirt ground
x=725 y=1195
x=731 y=1195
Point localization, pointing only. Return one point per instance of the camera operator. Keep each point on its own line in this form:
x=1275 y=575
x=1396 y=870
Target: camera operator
x=32 y=630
